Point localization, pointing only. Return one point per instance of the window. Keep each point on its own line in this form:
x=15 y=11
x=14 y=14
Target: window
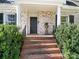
x=71 y=19
x=11 y=19
x=64 y=19
x=1 y=18
x=7 y=1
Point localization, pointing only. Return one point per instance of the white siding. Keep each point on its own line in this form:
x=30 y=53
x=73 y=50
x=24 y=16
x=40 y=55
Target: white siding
x=23 y=16
x=42 y=21
x=76 y=19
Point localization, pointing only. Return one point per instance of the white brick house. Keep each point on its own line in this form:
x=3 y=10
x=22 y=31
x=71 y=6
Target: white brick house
x=34 y=16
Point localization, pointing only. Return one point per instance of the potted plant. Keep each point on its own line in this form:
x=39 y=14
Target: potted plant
x=46 y=28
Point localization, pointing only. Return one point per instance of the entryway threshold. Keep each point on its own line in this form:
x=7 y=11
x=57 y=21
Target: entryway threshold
x=39 y=35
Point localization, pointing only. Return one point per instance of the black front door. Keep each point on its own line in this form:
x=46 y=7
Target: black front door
x=33 y=25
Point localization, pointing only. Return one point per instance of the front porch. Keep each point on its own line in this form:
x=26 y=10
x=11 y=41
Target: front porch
x=38 y=21
x=51 y=15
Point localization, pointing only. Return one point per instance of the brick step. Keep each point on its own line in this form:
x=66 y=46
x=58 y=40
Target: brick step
x=40 y=48
x=47 y=45
x=42 y=44
x=39 y=41
x=41 y=51
x=40 y=38
x=43 y=56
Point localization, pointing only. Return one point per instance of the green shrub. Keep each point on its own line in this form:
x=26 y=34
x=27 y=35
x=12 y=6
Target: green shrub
x=67 y=36
x=10 y=42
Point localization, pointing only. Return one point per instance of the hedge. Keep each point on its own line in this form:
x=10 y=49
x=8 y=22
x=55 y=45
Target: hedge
x=10 y=42
x=67 y=36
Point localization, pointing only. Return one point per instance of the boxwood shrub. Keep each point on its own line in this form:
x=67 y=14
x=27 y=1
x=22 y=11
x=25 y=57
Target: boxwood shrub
x=67 y=36
x=10 y=42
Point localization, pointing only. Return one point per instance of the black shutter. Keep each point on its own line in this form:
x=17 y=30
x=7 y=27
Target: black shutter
x=54 y=27
x=55 y=20
x=71 y=19
x=1 y=18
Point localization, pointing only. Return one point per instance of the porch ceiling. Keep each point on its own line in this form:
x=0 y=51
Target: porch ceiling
x=37 y=7
x=67 y=10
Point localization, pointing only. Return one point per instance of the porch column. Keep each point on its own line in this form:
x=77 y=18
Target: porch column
x=58 y=16
x=18 y=15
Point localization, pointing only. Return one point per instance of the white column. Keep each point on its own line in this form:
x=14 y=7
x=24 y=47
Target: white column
x=58 y=16
x=4 y=18
x=18 y=15
x=27 y=23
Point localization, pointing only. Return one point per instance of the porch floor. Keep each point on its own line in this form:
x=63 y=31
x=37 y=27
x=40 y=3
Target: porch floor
x=40 y=48
x=39 y=35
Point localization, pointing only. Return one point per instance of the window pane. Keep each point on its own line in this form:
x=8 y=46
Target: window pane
x=1 y=18
x=12 y=19
x=64 y=19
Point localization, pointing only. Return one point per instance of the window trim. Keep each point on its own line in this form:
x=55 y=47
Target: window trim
x=6 y=17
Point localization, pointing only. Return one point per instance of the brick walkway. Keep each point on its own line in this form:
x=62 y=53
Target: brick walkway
x=40 y=48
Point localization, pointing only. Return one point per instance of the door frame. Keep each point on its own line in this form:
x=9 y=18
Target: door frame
x=36 y=25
